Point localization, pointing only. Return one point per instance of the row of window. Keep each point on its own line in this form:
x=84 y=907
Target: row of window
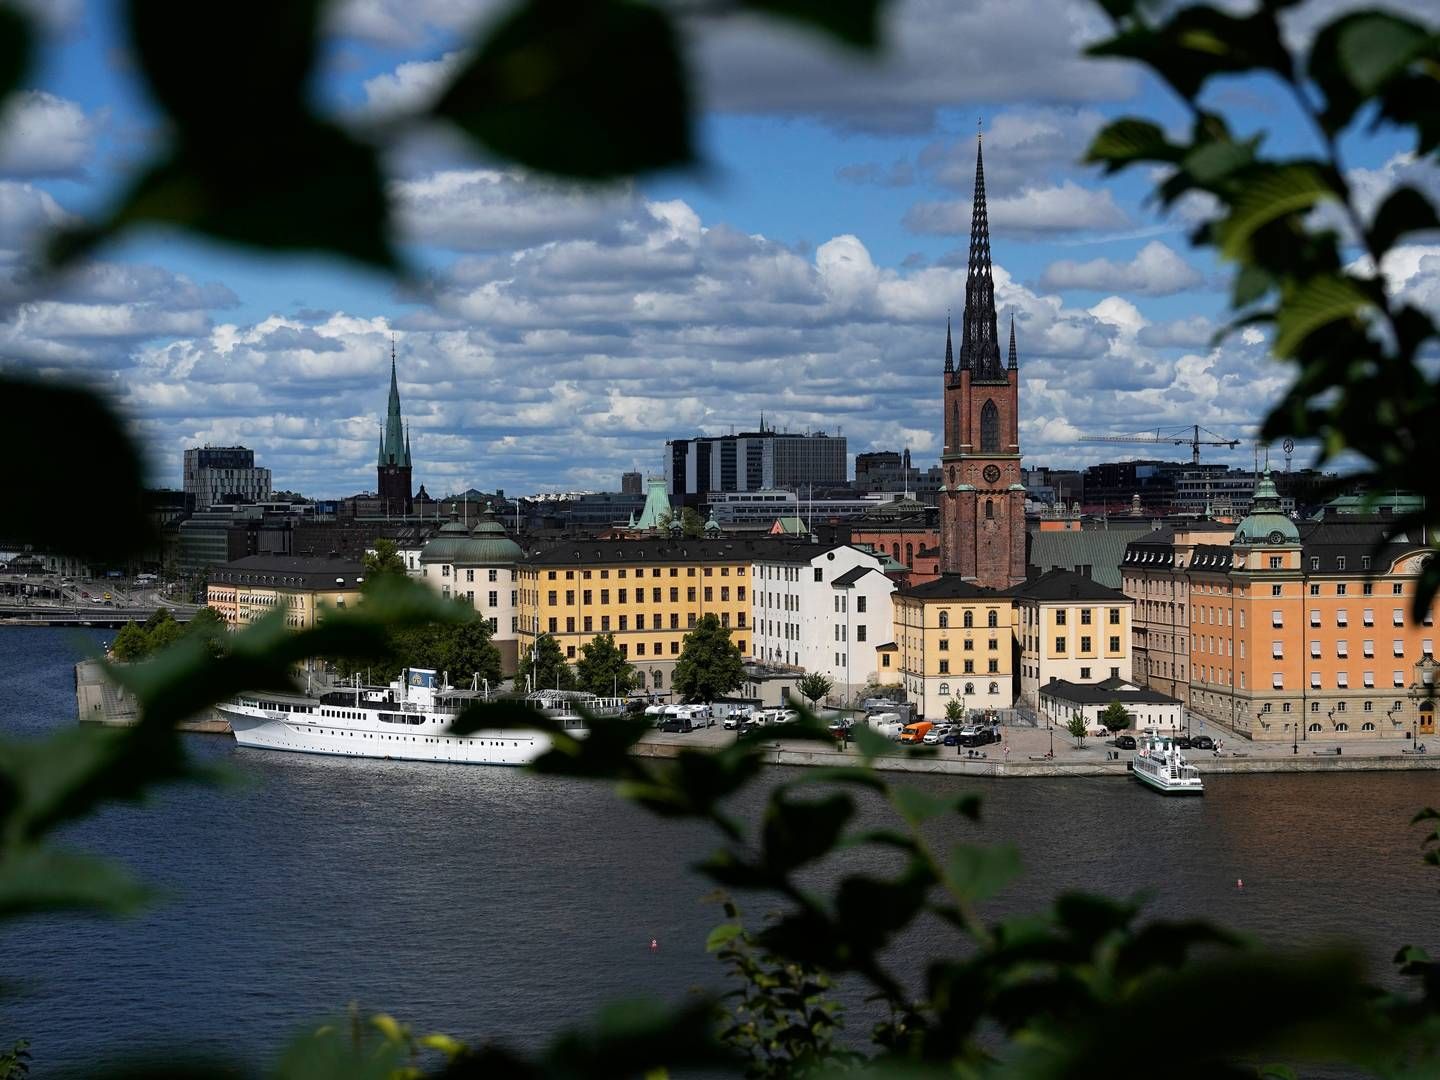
x=992 y=619
x=1342 y=680
x=622 y=623
x=623 y=595
x=992 y=666
x=674 y=571
x=968 y=689
x=469 y=574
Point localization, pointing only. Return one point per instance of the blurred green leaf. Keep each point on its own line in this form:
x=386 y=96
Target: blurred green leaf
x=798 y=831
x=35 y=411
x=1356 y=55
x=1316 y=304
x=1274 y=192
x=35 y=880
x=1127 y=141
x=870 y=742
x=17 y=46
x=854 y=22
x=917 y=806
x=1199 y=42
x=591 y=90
x=1405 y=210
x=723 y=935
x=978 y=872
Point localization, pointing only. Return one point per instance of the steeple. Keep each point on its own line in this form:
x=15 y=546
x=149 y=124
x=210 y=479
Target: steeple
x=394 y=448
x=1014 y=356
x=979 y=344
x=949 y=351
x=407 y=444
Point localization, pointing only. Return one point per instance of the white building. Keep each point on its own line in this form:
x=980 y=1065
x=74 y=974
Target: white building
x=1061 y=700
x=822 y=609
x=1071 y=629
x=478 y=565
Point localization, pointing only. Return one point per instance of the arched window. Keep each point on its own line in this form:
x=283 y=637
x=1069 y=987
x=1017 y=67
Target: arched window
x=895 y=551
x=944 y=619
x=993 y=619
x=994 y=688
x=989 y=428
x=659 y=678
x=1367 y=726
x=954 y=426
x=1314 y=727
x=969 y=688
x=909 y=554
x=969 y=619
x=944 y=689
x=989 y=510
x=1342 y=727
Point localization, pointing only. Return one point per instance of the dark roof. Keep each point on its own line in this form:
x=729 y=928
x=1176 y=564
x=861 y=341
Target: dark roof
x=1065 y=585
x=1212 y=557
x=889 y=646
x=577 y=552
x=289 y=571
x=1104 y=693
x=951 y=587
x=1102 y=550
x=853 y=575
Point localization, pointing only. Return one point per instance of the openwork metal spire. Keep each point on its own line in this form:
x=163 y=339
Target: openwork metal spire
x=949 y=349
x=979 y=340
x=1014 y=356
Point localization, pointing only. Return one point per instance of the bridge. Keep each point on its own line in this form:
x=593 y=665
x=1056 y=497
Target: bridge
x=83 y=614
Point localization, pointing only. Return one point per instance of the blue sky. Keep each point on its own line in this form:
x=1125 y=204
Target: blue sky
x=564 y=333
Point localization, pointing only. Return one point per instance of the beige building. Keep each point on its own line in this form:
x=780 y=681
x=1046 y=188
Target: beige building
x=248 y=589
x=1070 y=630
x=954 y=641
x=649 y=593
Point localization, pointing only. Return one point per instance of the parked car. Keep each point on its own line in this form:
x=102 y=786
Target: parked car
x=936 y=734
x=1125 y=742
x=677 y=724
x=977 y=735
x=738 y=716
x=1202 y=742
x=1183 y=743
x=916 y=732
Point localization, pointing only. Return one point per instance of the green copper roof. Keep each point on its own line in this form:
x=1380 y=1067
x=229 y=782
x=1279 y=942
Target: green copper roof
x=395 y=439
x=1266 y=524
x=657 y=505
x=485 y=545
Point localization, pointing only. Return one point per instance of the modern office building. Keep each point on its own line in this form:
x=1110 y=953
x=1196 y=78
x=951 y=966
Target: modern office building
x=223 y=474
x=752 y=461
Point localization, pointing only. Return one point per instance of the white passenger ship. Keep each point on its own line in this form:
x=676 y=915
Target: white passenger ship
x=409 y=720
x=1160 y=765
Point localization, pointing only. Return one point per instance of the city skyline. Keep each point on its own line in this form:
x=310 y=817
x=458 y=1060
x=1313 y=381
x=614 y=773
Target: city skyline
x=560 y=338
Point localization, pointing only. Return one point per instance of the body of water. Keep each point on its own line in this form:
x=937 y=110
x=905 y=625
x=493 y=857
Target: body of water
x=490 y=903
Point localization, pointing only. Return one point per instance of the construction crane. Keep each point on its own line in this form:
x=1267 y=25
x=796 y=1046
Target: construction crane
x=1184 y=435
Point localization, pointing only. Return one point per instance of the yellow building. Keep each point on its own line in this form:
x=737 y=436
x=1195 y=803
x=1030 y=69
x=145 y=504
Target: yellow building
x=649 y=593
x=248 y=589
x=1071 y=629
x=955 y=641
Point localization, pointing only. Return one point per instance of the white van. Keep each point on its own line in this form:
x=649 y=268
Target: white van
x=888 y=724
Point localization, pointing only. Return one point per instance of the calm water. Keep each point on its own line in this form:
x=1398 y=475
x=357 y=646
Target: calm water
x=494 y=904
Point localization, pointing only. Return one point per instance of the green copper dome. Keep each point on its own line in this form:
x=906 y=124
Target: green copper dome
x=487 y=544
x=1266 y=524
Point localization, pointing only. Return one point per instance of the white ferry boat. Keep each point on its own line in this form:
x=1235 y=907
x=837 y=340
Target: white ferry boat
x=408 y=720
x=1159 y=764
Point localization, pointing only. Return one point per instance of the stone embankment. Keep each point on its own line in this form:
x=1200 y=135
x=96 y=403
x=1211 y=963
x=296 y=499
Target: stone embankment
x=1029 y=750
x=100 y=701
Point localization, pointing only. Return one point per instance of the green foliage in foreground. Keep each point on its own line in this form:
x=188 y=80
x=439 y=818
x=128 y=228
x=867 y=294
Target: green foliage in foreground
x=1309 y=251
x=458 y=646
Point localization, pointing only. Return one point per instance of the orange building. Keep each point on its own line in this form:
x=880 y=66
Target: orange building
x=1287 y=632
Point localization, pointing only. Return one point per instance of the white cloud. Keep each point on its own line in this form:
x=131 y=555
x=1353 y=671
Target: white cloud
x=1062 y=208
x=43 y=135
x=1156 y=270
x=408 y=22
x=412 y=86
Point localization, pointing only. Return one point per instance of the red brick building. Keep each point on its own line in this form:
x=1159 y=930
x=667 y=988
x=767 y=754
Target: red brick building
x=982 y=501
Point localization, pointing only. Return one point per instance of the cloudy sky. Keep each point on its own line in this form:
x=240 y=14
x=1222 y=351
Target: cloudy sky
x=562 y=335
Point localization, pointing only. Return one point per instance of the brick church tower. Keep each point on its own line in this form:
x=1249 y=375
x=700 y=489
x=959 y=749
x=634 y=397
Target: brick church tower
x=393 y=466
x=982 y=502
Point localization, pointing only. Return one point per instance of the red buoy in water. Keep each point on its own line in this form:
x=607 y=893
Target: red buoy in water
x=1239 y=883
x=654 y=944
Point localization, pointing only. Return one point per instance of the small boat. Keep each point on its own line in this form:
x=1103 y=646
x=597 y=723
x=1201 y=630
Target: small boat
x=1158 y=763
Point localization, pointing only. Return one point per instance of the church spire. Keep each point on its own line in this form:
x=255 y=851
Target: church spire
x=1014 y=356
x=949 y=350
x=393 y=449
x=979 y=344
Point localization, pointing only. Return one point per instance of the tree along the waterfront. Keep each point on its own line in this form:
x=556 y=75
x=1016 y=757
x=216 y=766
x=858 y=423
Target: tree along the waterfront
x=602 y=669
x=545 y=668
x=710 y=665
